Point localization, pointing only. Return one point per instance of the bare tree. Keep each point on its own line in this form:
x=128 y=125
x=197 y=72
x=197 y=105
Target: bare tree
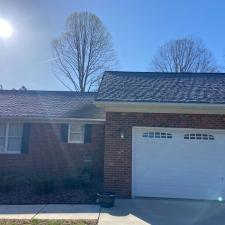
x=83 y=52
x=184 y=55
x=23 y=88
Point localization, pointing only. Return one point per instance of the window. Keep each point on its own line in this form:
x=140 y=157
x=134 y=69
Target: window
x=76 y=133
x=157 y=135
x=199 y=136
x=11 y=137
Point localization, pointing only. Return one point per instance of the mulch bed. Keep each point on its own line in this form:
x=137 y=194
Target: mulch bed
x=47 y=222
x=26 y=195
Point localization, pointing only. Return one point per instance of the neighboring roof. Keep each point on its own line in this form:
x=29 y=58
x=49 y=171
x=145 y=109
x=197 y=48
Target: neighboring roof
x=153 y=87
x=49 y=104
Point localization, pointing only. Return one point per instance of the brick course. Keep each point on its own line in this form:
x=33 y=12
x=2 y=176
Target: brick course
x=117 y=155
x=48 y=154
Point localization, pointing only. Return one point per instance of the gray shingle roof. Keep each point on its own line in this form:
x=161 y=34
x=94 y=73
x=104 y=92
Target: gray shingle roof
x=48 y=104
x=162 y=87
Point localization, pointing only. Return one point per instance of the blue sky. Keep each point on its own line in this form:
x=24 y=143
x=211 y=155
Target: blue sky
x=138 y=28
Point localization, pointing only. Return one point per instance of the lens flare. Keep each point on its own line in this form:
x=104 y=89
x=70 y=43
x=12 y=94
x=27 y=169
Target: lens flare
x=6 y=29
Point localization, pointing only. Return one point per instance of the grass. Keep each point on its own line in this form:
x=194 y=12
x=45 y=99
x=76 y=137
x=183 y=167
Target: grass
x=46 y=222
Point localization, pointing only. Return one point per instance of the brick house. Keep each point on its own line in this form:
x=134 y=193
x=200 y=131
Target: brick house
x=151 y=134
x=50 y=131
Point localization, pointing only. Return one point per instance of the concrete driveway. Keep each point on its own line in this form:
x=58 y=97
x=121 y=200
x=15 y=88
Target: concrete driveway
x=163 y=212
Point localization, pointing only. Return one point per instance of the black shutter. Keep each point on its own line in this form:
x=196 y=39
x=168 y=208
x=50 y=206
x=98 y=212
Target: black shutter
x=64 y=132
x=87 y=133
x=25 y=138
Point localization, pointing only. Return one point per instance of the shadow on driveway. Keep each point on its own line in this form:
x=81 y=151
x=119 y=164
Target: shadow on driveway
x=164 y=212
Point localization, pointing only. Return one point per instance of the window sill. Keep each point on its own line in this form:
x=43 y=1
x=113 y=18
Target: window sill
x=10 y=153
x=75 y=142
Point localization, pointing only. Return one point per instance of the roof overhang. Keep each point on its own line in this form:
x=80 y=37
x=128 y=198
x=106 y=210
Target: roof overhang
x=51 y=119
x=146 y=107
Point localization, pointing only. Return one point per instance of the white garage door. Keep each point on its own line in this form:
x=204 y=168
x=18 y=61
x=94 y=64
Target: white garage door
x=178 y=163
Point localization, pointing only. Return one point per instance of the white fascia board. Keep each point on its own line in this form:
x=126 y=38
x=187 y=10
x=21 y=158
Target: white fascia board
x=190 y=108
x=52 y=120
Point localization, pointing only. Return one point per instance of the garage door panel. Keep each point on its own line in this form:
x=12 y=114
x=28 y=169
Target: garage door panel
x=172 y=187
x=186 y=162
x=187 y=183
x=167 y=167
x=167 y=193
x=178 y=167
x=192 y=192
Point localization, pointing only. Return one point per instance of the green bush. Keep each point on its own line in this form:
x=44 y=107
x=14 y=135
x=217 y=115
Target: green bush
x=85 y=178
x=71 y=182
x=86 y=174
x=7 y=183
x=43 y=184
x=11 y=182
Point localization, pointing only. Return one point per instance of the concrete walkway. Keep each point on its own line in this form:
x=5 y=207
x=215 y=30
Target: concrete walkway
x=163 y=212
x=65 y=212
x=127 y=212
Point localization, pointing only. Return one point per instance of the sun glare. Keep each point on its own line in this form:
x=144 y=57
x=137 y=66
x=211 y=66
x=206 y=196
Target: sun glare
x=5 y=29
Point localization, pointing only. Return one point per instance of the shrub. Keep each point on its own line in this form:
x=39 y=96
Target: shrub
x=86 y=174
x=7 y=183
x=71 y=182
x=21 y=181
x=43 y=184
x=85 y=178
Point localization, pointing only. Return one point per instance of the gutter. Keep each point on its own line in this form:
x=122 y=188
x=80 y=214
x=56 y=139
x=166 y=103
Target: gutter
x=148 y=104
x=51 y=120
x=146 y=107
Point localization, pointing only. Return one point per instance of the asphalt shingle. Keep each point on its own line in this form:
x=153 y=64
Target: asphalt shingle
x=49 y=104
x=162 y=87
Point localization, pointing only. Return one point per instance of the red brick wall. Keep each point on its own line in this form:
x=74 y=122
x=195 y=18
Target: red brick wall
x=48 y=154
x=117 y=156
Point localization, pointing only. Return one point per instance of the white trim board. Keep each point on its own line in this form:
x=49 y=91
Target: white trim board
x=184 y=108
x=52 y=120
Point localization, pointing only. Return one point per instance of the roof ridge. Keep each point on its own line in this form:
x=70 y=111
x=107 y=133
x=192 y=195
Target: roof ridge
x=141 y=73
x=47 y=92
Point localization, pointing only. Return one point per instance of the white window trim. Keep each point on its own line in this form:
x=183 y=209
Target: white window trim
x=193 y=136
x=157 y=135
x=7 y=142
x=76 y=142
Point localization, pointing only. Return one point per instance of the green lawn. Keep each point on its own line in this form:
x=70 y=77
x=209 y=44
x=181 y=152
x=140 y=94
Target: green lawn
x=46 y=222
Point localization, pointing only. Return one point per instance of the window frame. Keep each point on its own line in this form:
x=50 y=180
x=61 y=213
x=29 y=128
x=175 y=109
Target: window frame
x=7 y=136
x=82 y=133
x=199 y=136
x=157 y=135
